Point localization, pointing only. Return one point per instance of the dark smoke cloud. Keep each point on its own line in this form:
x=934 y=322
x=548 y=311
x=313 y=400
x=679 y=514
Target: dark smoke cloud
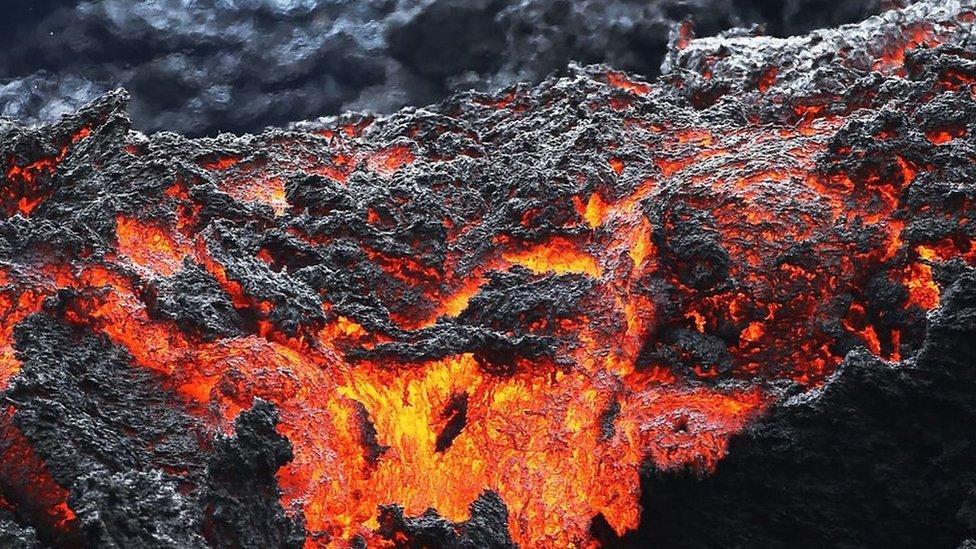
x=203 y=66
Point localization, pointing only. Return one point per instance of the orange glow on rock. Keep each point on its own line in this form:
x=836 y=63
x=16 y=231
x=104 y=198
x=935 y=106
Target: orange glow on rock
x=617 y=165
x=620 y=80
x=943 y=136
x=149 y=246
x=455 y=303
x=22 y=195
x=222 y=163
x=27 y=483
x=269 y=191
x=596 y=210
x=856 y=322
x=390 y=160
x=768 y=79
x=13 y=309
x=642 y=246
x=893 y=57
x=752 y=332
x=922 y=290
x=558 y=255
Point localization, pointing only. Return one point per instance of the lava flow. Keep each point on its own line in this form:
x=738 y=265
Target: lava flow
x=505 y=309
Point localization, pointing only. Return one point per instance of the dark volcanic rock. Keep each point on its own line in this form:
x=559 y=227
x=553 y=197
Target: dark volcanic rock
x=135 y=509
x=109 y=434
x=881 y=456
x=14 y=535
x=198 y=304
x=86 y=408
x=241 y=499
x=132 y=460
x=486 y=528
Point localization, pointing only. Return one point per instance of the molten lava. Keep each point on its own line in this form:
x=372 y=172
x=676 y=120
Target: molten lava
x=533 y=294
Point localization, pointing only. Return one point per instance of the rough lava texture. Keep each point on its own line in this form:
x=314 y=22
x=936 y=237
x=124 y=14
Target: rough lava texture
x=204 y=66
x=731 y=307
x=241 y=499
x=879 y=444
x=132 y=459
x=431 y=530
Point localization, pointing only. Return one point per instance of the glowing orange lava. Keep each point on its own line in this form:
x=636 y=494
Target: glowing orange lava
x=708 y=263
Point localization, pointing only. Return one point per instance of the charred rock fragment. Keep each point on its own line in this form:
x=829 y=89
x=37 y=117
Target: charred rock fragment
x=487 y=527
x=455 y=415
x=241 y=499
x=371 y=448
x=196 y=302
